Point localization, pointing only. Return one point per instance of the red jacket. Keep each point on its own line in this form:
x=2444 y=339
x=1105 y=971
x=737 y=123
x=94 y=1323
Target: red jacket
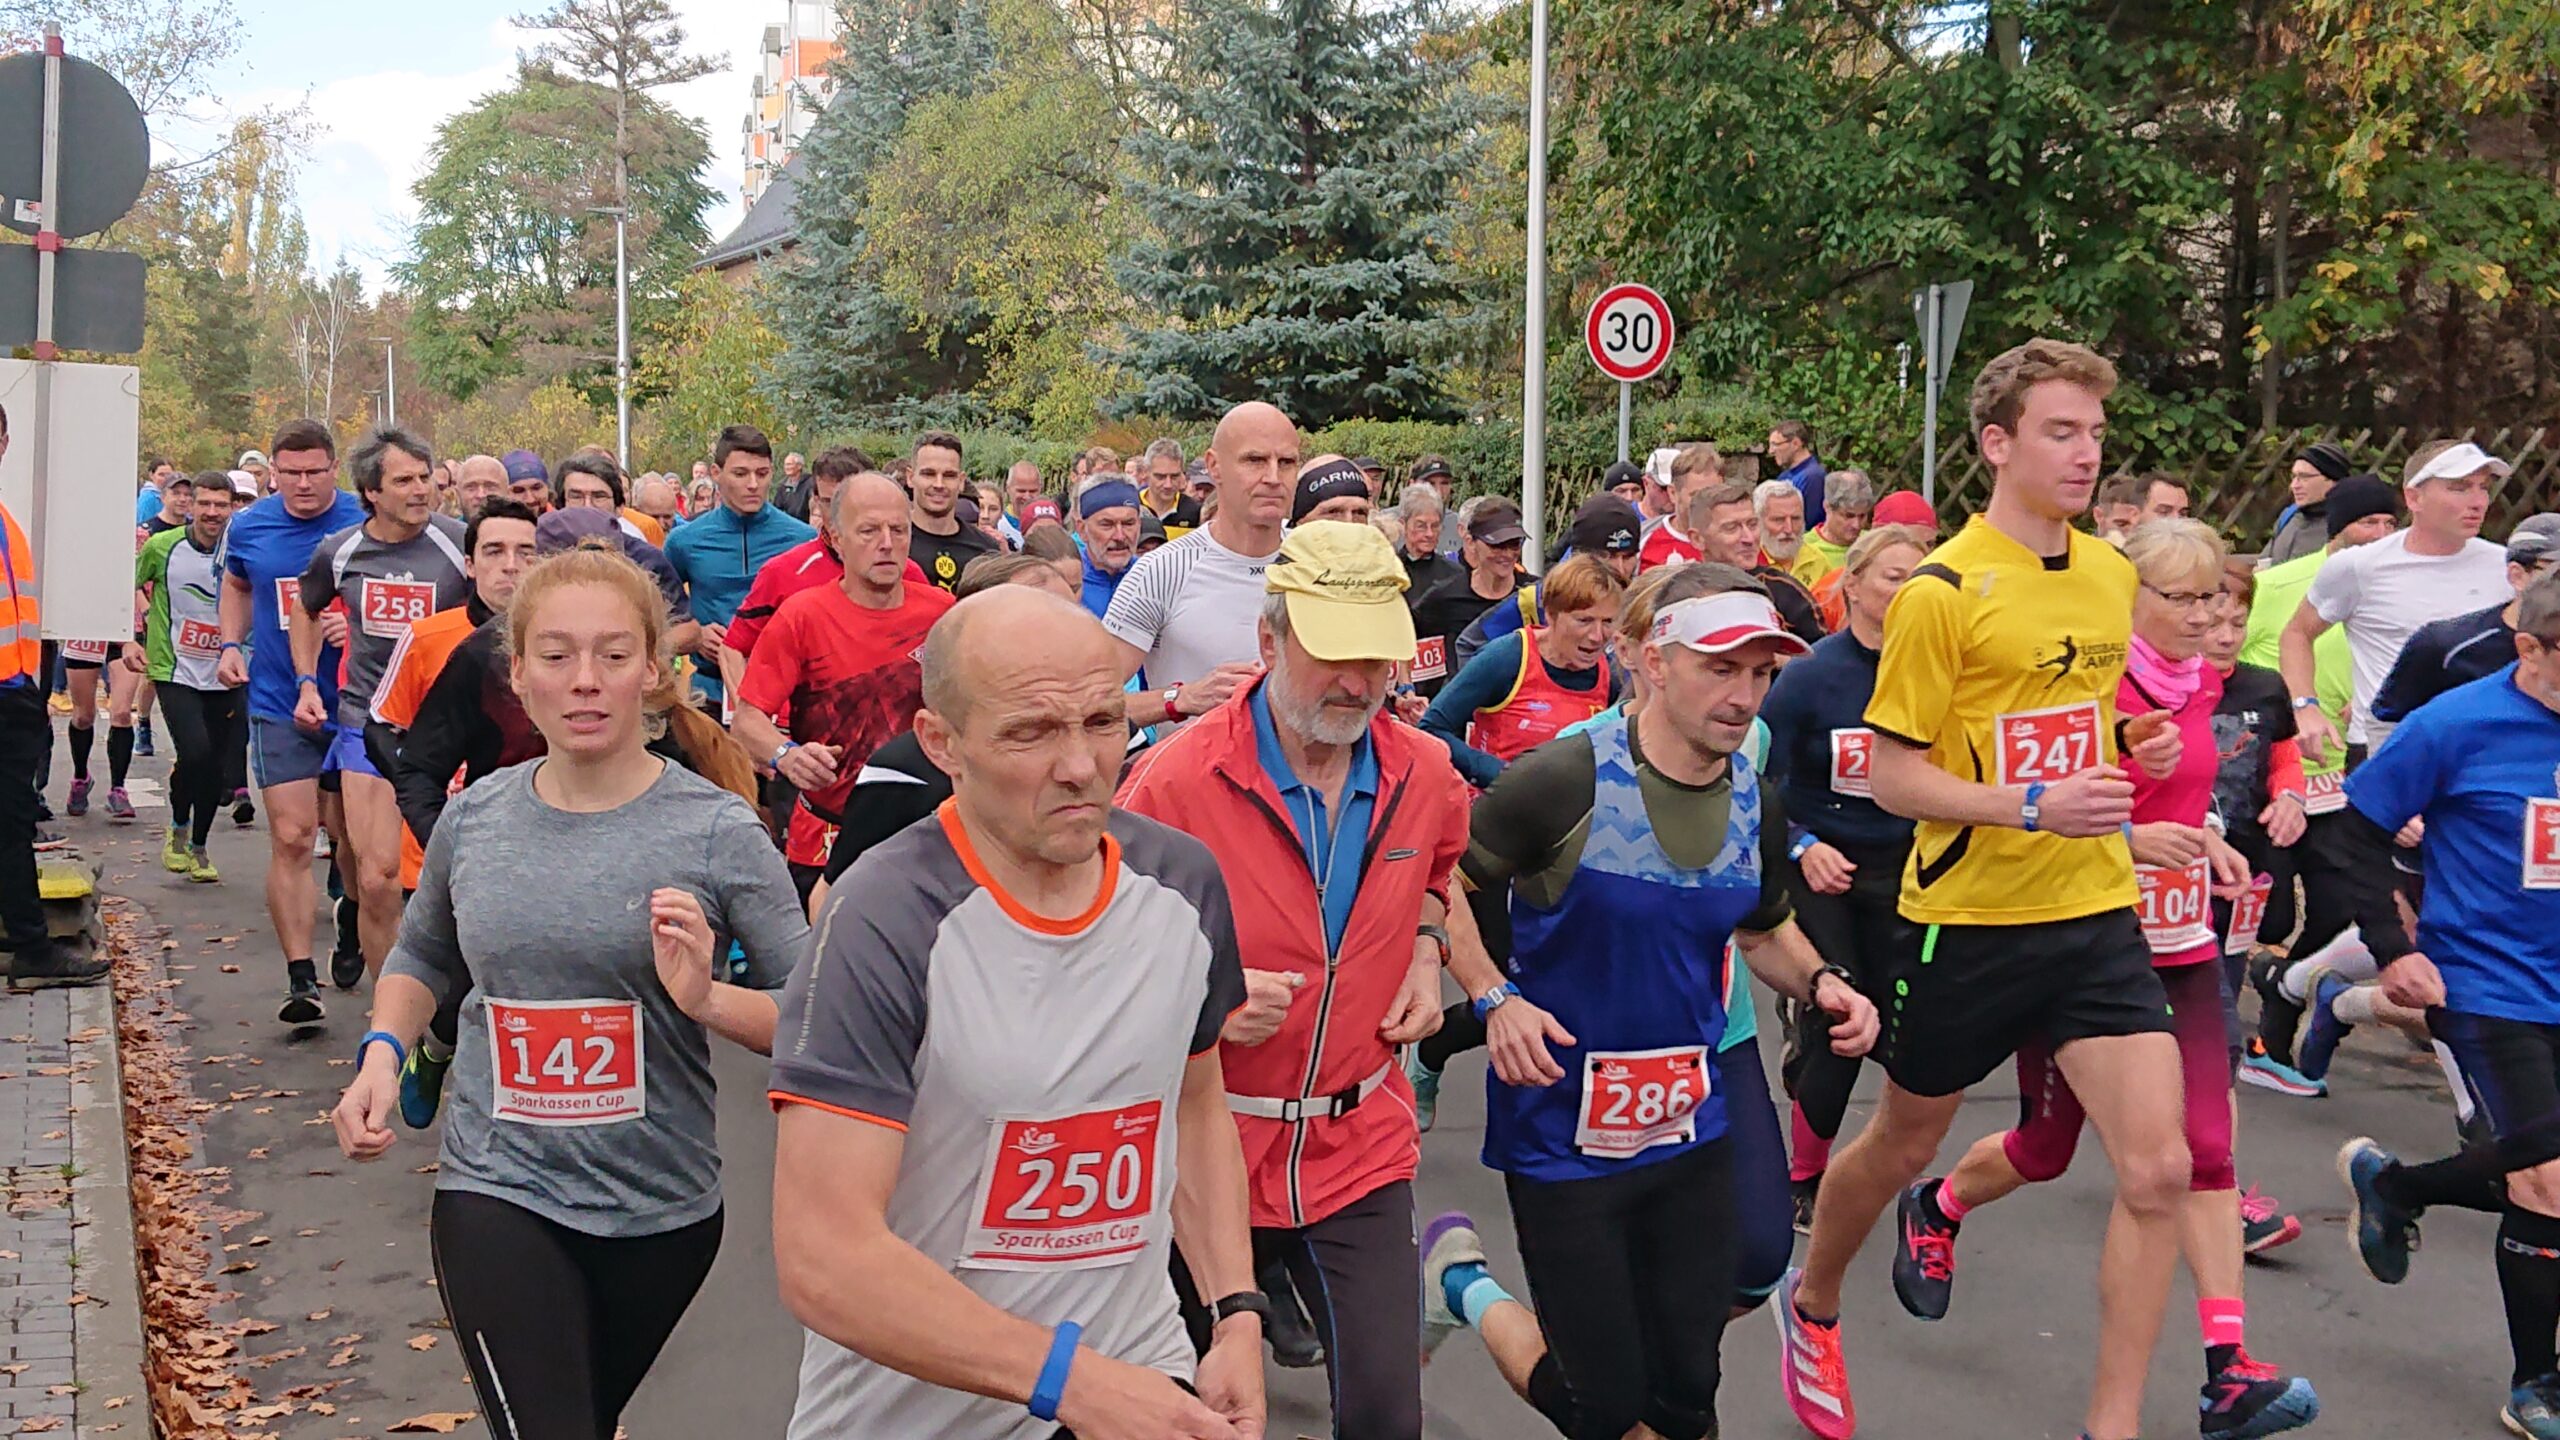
x=1208 y=782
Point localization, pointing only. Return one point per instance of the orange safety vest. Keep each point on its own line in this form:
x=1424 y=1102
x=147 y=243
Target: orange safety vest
x=21 y=647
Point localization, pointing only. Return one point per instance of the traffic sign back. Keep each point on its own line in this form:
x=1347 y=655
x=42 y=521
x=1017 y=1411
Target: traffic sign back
x=1629 y=333
x=106 y=151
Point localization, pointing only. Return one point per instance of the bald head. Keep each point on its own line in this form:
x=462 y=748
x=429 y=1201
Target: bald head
x=1253 y=456
x=477 y=481
x=870 y=488
x=986 y=642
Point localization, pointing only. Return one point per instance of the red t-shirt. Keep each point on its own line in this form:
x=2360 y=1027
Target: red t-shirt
x=847 y=677
x=1663 y=546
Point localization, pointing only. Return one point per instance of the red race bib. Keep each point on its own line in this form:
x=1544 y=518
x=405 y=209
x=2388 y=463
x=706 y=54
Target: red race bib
x=566 y=1062
x=1070 y=1191
x=1633 y=1100
x=2247 y=914
x=1430 y=657
x=2541 y=844
x=288 y=600
x=87 y=652
x=197 y=637
x=2324 y=794
x=1853 y=757
x=2042 y=746
x=2176 y=912
x=392 y=606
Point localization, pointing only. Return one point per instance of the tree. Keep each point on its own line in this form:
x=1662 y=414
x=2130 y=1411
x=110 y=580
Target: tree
x=1300 y=206
x=704 y=372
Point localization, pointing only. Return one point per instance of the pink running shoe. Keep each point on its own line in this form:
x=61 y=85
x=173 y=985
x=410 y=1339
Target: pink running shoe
x=1810 y=1368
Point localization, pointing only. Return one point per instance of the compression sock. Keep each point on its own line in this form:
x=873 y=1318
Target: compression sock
x=2471 y=1179
x=1459 y=1031
x=1808 y=1154
x=119 y=754
x=2529 y=1279
x=82 y=737
x=297 y=972
x=1471 y=1290
x=2225 y=1324
x=1940 y=1200
x=2355 y=1007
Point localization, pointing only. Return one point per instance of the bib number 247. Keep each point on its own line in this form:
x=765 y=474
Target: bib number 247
x=2042 y=746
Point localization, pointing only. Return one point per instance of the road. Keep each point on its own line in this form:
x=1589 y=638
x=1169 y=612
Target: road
x=348 y=1244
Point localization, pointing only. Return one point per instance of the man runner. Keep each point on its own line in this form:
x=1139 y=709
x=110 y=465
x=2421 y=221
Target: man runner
x=939 y=542
x=181 y=650
x=717 y=553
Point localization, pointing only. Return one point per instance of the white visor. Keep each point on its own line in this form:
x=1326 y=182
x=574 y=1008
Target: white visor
x=1714 y=624
x=2463 y=459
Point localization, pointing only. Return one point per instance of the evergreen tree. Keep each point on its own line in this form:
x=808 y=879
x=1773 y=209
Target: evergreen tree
x=1301 y=203
x=850 y=356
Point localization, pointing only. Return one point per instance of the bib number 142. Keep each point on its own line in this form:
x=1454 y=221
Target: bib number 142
x=566 y=1062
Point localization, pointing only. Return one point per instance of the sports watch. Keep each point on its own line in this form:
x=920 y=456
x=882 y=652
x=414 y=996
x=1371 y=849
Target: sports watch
x=1494 y=999
x=1173 y=701
x=1243 y=1302
x=2029 y=811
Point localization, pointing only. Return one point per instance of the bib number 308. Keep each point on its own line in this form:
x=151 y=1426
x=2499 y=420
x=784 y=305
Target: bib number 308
x=1068 y=1191
x=2049 y=745
x=566 y=1062
x=1633 y=1100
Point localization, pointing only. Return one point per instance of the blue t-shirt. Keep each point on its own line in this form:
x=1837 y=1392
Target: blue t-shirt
x=2482 y=764
x=268 y=548
x=146 y=505
x=1331 y=845
x=1807 y=475
x=717 y=555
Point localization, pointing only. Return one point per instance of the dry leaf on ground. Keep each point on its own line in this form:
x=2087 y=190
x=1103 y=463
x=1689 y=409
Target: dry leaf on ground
x=441 y=1422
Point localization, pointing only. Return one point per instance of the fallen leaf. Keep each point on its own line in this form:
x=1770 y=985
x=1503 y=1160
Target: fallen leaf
x=259 y=1153
x=230 y=969
x=254 y=1327
x=238 y=1267
x=8 y=1254
x=323 y=1407
x=56 y=1134
x=422 y=1342
x=427 y=1169
x=256 y=1240
x=17 y=1369
x=306 y=1234
x=168 y=944
x=38 y=1424
x=83 y=1298
x=441 y=1422
x=343 y=1357
x=317 y=1315
x=118 y=1402
x=61 y=1390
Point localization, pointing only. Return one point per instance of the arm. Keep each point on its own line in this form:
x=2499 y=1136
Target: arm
x=1211 y=1229
x=1479 y=686
x=2416 y=677
x=425 y=965
x=439 y=743
x=2299 y=666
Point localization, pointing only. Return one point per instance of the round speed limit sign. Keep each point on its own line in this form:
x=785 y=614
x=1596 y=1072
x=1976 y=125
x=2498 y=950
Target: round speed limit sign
x=1629 y=333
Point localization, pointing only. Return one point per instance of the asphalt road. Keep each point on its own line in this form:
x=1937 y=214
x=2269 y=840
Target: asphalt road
x=348 y=1243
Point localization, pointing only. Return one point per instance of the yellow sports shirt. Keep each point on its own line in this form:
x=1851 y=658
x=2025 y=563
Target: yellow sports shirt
x=2003 y=665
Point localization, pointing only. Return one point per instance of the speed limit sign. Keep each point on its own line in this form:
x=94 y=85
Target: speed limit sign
x=1629 y=333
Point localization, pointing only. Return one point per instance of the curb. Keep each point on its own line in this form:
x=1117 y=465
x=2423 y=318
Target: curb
x=106 y=1333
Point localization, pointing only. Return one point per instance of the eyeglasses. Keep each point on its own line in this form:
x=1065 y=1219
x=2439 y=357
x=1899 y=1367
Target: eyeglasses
x=2184 y=599
x=324 y=473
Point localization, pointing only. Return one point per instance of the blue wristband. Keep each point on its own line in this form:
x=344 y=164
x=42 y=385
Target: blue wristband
x=1483 y=1004
x=1052 y=1385
x=311 y=680
x=399 y=1052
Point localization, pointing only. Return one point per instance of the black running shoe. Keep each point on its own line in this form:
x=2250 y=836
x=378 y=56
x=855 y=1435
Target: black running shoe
x=346 y=959
x=2279 y=1016
x=302 y=1004
x=1804 y=1192
x=244 y=811
x=1924 y=1255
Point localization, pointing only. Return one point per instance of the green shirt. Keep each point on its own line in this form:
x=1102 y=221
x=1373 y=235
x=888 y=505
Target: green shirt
x=2280 y=592
x=186 y=604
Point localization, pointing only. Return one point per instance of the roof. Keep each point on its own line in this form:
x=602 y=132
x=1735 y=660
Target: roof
x=771 y=224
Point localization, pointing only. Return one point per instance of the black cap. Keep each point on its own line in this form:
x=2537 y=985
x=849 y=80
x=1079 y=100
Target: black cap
x=1150 y=528
x=1622 y=472
x=2356 y=497
x=1366 y=463
x=1432 y=467
x=2327 y=458
x=1330 y=480
x=1497 y=522
x=965 y=510
x=1606 y=524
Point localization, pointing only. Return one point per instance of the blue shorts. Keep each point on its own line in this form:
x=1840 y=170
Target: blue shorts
x=283 y=753
x=347 y=754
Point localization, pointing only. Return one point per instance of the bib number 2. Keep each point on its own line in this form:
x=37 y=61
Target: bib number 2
x=1068 y=1192
x=566 y=1062
x=1633 y=1100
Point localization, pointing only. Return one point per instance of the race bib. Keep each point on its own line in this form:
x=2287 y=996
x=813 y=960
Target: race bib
x=1633 y=1100
x=1430 y=657
x=197 y=637
x=1069 y=1192
x=1853 y=757
x=87 y=652
x=2541 y=844
x=392 y=606
x=288 y=600
x=566 y=1062
x=2247 y=914
x=2176 y=913
x=2324 y=794
x=2042 y=746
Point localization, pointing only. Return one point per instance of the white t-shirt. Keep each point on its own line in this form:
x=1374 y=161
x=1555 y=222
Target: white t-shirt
x=2380 y=594
x=1191 y=605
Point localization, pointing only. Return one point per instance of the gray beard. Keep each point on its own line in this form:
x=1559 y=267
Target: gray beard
x=1786 y=556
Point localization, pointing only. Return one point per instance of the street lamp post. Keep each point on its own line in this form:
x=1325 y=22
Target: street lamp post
x=621 y=331
x=1533 y=356
x=390 y=386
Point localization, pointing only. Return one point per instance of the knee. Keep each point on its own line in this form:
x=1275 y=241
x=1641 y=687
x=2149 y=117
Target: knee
x=291 y=836
x=1907 y=1147
x=2152 y=1181
x=2038 y=1155
x=2209 y=1162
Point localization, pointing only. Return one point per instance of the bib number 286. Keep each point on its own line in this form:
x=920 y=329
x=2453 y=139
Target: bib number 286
x=1633 y=1100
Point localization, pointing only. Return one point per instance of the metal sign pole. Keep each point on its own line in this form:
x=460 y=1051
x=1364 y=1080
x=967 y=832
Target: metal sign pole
x=1533 y=358
x=48 y=244
x=1929 y=382
x=1626 y=417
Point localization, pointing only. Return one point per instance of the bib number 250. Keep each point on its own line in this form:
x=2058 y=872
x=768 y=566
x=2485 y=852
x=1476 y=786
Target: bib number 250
x=1068 y=1191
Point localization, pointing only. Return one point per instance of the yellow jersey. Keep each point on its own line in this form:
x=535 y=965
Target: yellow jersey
x=1818 y=558
x=2003 y=665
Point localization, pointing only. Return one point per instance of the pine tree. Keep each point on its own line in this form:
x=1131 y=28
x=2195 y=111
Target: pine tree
x=850 y=356
x=1301 y=203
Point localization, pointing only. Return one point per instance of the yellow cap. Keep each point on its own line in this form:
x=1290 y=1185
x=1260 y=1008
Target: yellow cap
x=1345 y=589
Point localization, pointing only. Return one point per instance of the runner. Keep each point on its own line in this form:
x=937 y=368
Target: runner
x=2179 y=861
x=1724 y=525
x=404 y=563
x=2481 y=766
x=1606 y=875
x=2009 y=643
x=718 y=552
x=942 y=545
x=85 y=661
x=1605 y=527
x=1107 y=515
x=1491 y=575
x=1030 y=961
x=1299 y=786
x=1162 y=468
x=478 y=480
x=1525 y=688
x=1691 y=470
x=265 y=552
x=577 y=1204
x=181 y=649
x=1331 y=488
x=2443 y=654
x=1848 y=507
x=1845 y=853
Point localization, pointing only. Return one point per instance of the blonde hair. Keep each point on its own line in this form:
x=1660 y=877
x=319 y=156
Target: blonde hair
x=2164 y=550
x=708 y=750
x=2000 y=391
x=1698 y=459
x=1874 y=542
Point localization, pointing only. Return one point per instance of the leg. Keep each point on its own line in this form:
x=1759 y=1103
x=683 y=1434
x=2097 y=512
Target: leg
x=1684 y=1239
x=2130 y=1085
x=226 y=722
x=23 y=724
x=373 y=831
x=1582 y=1265
x=1355 y=1270
x=121 y=684
x=293 y=822
x=2038 y=1148
x=195 y=772
x=1762 y=1213
x=640 y=1287
x=521 y=1314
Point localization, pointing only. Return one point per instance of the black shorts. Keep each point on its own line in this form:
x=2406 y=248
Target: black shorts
x=1970 y=996
x=2514 y=1070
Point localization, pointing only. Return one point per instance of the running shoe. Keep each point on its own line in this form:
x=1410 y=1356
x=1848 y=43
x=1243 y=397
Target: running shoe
x=2533 y=1409
x=44 y=811
x=1449 y=1240
x=2263 y=1223
x=1924 y=1255
x=244 y=811
x=119 y=805
x=302 y=1004
x=173 y=852
x=78 y=804
x=2323 y=1030
x=346 y=959
x=49 y=839
x=1811 y=1369
x=2383 y=1233
x=60 y=704
x=142 y=739
x=2248 y=1398
x=1803 y=1194
x=422 y=1086
x=2261 y=1068
x=199 y=868
x=2279 y=1015
x=1291 y=1335
x=1426 y=1088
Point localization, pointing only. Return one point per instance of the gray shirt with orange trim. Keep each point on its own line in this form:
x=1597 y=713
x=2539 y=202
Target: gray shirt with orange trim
x=1036 y=1068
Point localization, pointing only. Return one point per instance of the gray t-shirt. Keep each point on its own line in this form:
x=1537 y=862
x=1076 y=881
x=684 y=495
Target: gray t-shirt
x=388 y=588
x=579 y=1091
x=1036 y=1068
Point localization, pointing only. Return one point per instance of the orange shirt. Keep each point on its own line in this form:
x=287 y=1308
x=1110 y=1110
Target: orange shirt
x=406 y=677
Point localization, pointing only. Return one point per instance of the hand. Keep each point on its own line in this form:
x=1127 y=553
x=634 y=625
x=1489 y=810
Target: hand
x=810 y=767
x=713 y=644
x=1230 y=1375
x=2230 y=868
x=308 y=711
x=135 y=658
x=1214 y=689
x=1268 y=994
x=1854 y=1023
x=333 y=628
x=2412 y=833
x=2152 y=741
x=2094 y=802
x=1414 y=1013
x=1517 y=1033
x=362 y=1117
x=2283 y=819
x=1109 y=1399
x=232 y=670
x=2316 y=735
x=1827 y=870
x=2413 y=981
x=680 y=940
x=1410 y=706
x=2169 y=846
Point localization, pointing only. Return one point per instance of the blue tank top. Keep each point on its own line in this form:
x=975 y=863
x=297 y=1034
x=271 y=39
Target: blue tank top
x=1631 y=958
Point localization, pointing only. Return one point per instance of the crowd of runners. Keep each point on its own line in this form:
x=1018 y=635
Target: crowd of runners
x=1098 y=857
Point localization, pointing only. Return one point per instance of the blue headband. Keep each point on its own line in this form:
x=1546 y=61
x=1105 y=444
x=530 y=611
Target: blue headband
x=1107 y=495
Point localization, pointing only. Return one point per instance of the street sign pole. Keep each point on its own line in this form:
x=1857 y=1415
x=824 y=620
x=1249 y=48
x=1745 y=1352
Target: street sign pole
x=48 y=244
x=1929 y=397
x=1533 y=357
x=1626 y=417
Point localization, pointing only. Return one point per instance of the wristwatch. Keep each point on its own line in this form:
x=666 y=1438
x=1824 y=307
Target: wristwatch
x=2305 y=702
x=1173 y=701
x=2029 y=812
x=1815 y=984
x=1494 y=999
x=1243 y=1302
x=785 y=748
x=1437 y=935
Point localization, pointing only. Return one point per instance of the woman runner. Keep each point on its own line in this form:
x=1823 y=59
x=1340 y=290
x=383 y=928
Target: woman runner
x=1531 y=685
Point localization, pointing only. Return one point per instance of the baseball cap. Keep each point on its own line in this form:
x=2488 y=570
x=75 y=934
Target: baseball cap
x=1903 y=507
x=251 y=457
x=1621 y=472
x=2356 y=497
x=1326 y=480
x=567 y=529
x=1497 y=522
x=1112 y=494
x=2463 y=459
x=1714 y=624
x=1197 y=473
x=1039 y=508
x=244 y=483
x=1433 y=467
x=2536 y=538
x=1657 y=466
x=1606 y=524
x=1345 y=591
x=1366 y=463
x=1150 y=531
x=524 y=465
